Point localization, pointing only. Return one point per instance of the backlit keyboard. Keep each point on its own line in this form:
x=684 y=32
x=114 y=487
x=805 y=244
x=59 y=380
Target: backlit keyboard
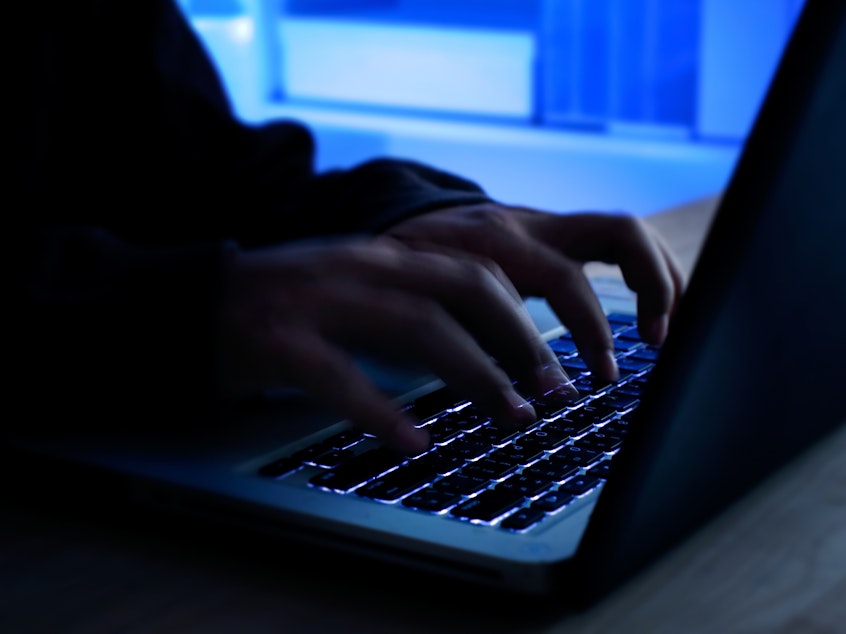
x=479 y=472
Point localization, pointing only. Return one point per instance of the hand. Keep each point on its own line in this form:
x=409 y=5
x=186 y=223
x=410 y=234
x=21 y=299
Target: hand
x=290 y=315
x=543 y=254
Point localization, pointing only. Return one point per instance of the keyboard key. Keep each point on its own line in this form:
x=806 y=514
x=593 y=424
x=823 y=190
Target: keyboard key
x=333 y=458
x=523 y=518
x=528 y=485
x=466 y=448
x=576 y=456
x=494 y=435
x=594 y=412
x=551 y=405
x=647 y=353
x=432 y=500
x=399 y=482
x=618 y=427
x=599 y=441
x=488 y=505
x=632 y=366
x=588 y=386
x=625 y=345
x=617 y=402
x=580 y=485
x=467 y=419
x=431 y=404
x=441 y=462
x=621 y=319
x=629 y=334
x=574 y=366
x=563 y=345
x=630 y=389
x=442 y=430
x=517 y=454
x=490 y=468
x=461 y=484
x=359 y=469
x=639 y=381
x=552 y=501
x=554 y=471
x=600 y=469
x=345 y=439
x=545 y=439
x=569 y=427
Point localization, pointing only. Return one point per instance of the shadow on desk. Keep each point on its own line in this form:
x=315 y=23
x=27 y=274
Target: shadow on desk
x=75 y=564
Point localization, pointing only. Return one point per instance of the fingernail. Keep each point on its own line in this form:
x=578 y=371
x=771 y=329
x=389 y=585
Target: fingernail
x=551 y=378
x=520 y=410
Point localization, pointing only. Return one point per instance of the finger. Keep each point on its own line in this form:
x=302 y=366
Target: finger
x=401 y=324
x=674 y=267
x=331 y=376
x=546 y=272
x=479 y=294
x=570 y=295
x=650 y=271
x=654 y=318
x=484 y=298
x=647 y=266
x=425 y=246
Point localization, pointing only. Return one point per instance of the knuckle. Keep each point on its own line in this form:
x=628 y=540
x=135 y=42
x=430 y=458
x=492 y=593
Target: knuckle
x=563 y=272
x=491 y=215
x=477 y=273
x=361 y=254
x=629 y=225
x=495 y=220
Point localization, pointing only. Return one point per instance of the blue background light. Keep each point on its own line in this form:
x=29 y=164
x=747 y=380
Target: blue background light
x=560 y=104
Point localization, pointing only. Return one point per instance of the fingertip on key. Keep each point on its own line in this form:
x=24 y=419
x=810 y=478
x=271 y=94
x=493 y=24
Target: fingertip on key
x=656 y=330
x=520 y=411
x=609 y=368
x=410 y=440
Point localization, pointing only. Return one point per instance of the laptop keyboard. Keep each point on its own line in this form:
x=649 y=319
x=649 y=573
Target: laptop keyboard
x=509 y=478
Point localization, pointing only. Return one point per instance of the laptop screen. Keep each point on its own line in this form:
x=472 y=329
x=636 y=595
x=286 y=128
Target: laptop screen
x=751 y=369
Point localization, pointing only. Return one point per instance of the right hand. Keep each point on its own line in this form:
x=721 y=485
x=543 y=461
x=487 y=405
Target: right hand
x=291 y=315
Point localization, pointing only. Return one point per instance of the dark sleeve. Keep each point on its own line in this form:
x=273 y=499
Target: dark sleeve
x=125 y=115
x=110 y=337
x=133 y=174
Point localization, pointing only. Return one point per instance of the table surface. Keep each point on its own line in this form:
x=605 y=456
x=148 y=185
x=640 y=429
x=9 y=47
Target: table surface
x=775 y=563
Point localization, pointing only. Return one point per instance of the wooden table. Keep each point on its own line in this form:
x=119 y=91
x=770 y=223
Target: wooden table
x=775 y=563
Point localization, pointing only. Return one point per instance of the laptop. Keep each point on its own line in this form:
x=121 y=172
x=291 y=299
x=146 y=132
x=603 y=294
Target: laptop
x=749 y=376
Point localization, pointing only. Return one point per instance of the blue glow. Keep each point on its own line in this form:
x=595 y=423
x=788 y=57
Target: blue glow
x=550 y=169
x=231 y=41
x=736 y=64
x=682 y=64
x=423 y=68
x=634 y=105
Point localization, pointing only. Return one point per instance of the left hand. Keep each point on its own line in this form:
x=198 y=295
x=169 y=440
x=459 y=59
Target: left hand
x=543 y=254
